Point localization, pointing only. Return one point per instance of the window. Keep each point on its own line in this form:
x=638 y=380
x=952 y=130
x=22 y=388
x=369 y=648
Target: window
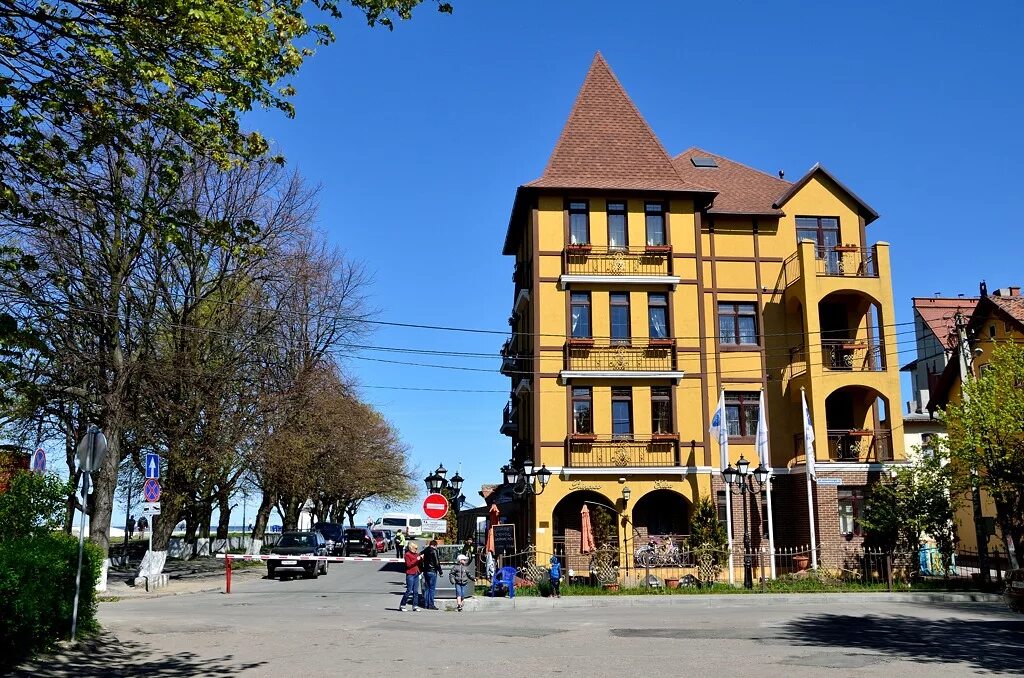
x=723 y=512
x=737 y=324
x=824 y=232
x=582 y=409
x=622 y=412
x=657 y=315
x=992 y=331
x=579 y=303
x=620 y=317
x=661 y=409
x=764 y=513
x=618 y=236
x=579 y=222
x=654 y=213
x=741 y=410
x=851 y=508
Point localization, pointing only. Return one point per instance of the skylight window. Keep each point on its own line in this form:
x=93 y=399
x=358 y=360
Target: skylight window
x=703 y=161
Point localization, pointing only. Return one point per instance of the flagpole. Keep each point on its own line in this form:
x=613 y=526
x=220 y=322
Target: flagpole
x=764 y=455
x=771 y=523
x=809 y=467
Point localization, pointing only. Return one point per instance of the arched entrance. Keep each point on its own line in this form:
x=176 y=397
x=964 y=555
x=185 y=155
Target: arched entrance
x=661 y=513
x=859 y=428
x=566 y=524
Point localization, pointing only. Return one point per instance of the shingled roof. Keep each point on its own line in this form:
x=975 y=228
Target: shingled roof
x=607 y=144
x=741 y=189
x=938 y=313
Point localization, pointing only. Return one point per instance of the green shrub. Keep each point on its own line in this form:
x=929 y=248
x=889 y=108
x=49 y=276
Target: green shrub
x=34 y=504
x=37 y=593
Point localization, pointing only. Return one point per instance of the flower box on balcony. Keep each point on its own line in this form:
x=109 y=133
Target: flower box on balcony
x=583 y=437
x=664 y=436
x=578 y=342
x=662 y=343
x=658 y=249
x=862 y=433
x=578 y=249
x=854 y=347
x=846 y=248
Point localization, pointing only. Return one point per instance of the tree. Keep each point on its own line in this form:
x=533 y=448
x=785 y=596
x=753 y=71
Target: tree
x=706 y=530
x=32 y=506
x=986 y=440
x=914 y=501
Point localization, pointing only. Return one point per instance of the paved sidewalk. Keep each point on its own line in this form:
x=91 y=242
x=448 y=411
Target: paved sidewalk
x=186 y=576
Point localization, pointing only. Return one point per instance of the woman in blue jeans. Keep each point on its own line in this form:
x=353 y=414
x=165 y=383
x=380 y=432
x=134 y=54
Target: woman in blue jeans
x=412 y=576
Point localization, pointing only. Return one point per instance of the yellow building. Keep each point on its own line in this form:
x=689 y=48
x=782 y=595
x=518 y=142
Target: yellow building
x=644 y=286
x=997 y=317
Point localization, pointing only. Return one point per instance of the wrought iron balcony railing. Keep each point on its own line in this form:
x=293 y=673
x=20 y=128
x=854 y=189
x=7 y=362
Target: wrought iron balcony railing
x=860 y=445
x=636 y=355
x=589 y=260
x=850 y=355
x=509 y=420
x=846 y=261
x=590 y=451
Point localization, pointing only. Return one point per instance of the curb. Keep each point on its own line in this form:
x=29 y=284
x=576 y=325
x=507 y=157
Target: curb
x=483 y=604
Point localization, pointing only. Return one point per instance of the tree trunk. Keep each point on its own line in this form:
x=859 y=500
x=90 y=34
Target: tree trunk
x=290 y=517
x=259 y=527
x=224 y=519
x=351 y=511
x=205 y=518
x=104 y=485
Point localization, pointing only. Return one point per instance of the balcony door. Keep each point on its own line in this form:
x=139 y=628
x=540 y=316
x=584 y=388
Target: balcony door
x=824 y=232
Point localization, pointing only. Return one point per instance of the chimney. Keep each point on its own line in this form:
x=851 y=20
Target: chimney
x=1014 y=291
x=782 y=174
x=983 y=288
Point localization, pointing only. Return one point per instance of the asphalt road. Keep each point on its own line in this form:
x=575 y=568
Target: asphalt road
x=347 y=624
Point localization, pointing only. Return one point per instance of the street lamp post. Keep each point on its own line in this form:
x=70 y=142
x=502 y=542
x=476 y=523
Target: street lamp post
x=438 y=482
x=524 y=481
x=740 y=480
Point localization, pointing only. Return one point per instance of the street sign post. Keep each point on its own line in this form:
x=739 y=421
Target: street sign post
x=91 y=452
x=435 y=506
x=151 y=508
x=153 y=465
x=39 y=461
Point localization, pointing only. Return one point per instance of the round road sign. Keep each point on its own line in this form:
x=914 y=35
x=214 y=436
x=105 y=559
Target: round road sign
x=151 y=489
x=39 y=461
x=435 y=506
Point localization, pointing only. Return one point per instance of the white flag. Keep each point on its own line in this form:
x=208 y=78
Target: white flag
x=720 y=430
x=762 y=434
x=808 y=438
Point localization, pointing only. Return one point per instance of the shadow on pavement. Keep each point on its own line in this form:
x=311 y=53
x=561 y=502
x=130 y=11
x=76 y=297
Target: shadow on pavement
x=985 y=645
x=106 y=656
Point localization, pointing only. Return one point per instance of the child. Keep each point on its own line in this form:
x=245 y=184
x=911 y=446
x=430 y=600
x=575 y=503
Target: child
x=556 y=577
x=459 y=576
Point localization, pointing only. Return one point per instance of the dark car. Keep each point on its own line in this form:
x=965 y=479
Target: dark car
x=359 y=540
x=380 y=539
x=1014 y=594
x=307 y=543
x=334 y=533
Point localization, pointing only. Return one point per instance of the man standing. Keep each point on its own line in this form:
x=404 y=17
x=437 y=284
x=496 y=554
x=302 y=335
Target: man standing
x=400 y=541
x=130 y=525
x=412 y=578
x=431 y=571
x=142 y=524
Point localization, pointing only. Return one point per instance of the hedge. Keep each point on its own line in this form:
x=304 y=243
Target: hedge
x=37 y=593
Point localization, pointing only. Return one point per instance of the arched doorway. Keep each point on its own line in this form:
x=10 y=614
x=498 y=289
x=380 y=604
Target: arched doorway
x=661 y=513
x=567 y=523
x=859 y=427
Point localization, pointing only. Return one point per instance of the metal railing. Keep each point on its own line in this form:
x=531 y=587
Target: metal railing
x=588 y=260
x=637 y=355
x=589 y=451
x=860 y=445
x=843 y=261
x=509 y=423
x=797 y=361
x=852 y=356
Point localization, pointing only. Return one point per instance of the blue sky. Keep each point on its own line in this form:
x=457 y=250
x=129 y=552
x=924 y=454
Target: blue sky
x=420 y=136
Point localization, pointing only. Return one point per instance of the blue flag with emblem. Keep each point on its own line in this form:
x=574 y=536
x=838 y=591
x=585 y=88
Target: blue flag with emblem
x=720 y=430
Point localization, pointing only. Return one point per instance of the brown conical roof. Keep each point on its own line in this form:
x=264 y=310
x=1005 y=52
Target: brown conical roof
x=607 y=144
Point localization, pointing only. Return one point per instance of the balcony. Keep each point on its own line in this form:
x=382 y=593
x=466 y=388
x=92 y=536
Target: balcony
x=619 y=451
x=641 y=265
x=611 y=359
x=860 y=445
x=509 y=420
x=838 y=261
x=852 y=356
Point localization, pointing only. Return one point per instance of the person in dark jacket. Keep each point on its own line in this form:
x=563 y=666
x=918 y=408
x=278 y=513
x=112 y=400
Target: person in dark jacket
x=556 y=577
x=413 y=561
x=431 y=570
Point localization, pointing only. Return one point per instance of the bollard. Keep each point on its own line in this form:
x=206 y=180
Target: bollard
x=227 y=573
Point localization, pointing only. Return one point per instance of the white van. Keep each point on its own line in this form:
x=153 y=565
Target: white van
x=401 y=521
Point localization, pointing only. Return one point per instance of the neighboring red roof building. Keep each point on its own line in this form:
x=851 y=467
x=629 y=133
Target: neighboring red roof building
x=938 y=313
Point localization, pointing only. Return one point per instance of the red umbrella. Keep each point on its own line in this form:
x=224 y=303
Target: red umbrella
x=587 y=534
x=492 y=517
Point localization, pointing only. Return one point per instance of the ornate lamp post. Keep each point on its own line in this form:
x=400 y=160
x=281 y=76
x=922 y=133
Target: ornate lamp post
x=525 y=480
x=437 y=482
x=741 y=481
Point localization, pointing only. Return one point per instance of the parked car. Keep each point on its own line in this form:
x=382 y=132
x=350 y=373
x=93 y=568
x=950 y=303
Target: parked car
x=360 y=540
x=307 y=543
x=1014 y=594
x=389 y=536
x=334 y=533
x=410 y=522
x=380 y=540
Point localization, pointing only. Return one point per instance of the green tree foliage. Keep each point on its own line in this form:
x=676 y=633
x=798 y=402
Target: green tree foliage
x=32 y=506
x=986 y=439
x=915 y=501
x=706 y=530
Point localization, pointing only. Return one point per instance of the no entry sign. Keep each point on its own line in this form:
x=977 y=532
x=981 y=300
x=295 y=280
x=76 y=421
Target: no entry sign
x=435 y=506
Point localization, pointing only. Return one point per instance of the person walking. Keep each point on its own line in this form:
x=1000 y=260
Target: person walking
x=142 y=525
x=400 y=541
x=413 y=560
x=461 y=578
x=431 y=570
x=556 y=577
x=131 y=526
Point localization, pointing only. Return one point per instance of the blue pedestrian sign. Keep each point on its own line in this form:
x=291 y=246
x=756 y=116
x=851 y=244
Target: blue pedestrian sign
x=39 y=461
x=152 y=465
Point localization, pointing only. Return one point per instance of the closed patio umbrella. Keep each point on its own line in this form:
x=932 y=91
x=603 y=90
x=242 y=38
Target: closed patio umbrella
x=492 y=519
x=586 y=533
